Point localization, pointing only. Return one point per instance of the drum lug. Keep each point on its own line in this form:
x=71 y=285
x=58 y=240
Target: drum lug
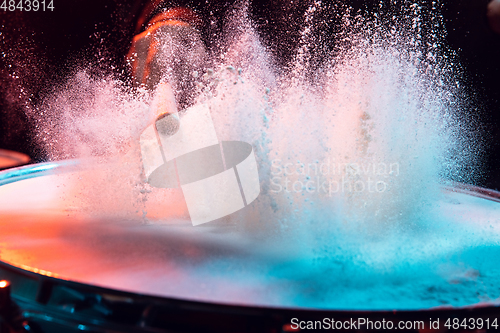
x=44 y=291
x=84 y=302
x=147 y=314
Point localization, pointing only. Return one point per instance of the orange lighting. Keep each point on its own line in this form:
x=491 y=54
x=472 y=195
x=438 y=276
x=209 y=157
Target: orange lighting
x=4 y=283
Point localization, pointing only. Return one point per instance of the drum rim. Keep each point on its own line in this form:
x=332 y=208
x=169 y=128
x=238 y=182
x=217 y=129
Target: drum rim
x=47 y=168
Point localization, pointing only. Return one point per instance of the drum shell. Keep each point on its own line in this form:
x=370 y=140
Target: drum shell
x=54 y=304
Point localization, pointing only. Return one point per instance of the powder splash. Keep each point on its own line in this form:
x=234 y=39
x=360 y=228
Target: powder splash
x=353 y=142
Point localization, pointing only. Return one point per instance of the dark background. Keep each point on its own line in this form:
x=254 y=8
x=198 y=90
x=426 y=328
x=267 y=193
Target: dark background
x=39 y=49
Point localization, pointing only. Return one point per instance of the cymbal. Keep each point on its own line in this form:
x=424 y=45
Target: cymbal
x=10 y=159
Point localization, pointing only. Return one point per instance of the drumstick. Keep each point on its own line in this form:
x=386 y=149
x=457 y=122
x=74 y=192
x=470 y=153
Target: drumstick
x=167 y=121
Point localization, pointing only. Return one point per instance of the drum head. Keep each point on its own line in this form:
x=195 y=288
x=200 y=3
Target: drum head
x=49 y=224
x=10 y=159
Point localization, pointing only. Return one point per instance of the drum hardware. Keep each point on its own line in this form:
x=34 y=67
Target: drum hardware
x=11 y=318
x=65 y=306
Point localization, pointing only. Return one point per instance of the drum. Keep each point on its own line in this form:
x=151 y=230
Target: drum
x=10 y=159
x=73 y=268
